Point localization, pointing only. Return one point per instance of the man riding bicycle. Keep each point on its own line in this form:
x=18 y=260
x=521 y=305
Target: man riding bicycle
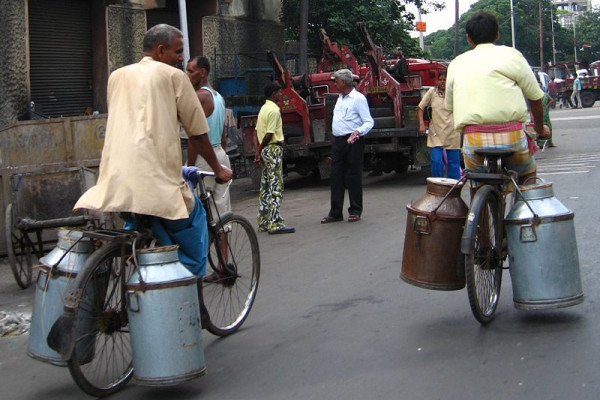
x=487 y=89
x=140 y=169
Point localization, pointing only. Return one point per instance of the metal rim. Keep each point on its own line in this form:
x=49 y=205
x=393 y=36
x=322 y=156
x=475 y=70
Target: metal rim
x=18 y=250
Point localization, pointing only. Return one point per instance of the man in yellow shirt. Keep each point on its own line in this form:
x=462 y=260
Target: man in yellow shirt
x=269 y=150
x=140 y=169
x=486 y=89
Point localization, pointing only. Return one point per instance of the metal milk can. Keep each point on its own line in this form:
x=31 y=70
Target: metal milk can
x=58 y=270
x=432 y=257
x=544 y=264
x=164 y=319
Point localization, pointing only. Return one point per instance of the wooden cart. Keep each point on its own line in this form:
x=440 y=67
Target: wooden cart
x=44 y=167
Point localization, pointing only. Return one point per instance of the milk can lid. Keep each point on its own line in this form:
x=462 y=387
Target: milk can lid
x=442 y=181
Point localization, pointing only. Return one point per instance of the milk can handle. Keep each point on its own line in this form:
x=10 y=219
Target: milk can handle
x=534 y=177
x=461 y=180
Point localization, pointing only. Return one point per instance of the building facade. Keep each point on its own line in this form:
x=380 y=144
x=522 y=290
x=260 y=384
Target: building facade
x=570 y=9
x=58 y=54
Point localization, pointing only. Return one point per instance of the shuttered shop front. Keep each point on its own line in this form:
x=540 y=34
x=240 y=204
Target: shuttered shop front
x=60 y=43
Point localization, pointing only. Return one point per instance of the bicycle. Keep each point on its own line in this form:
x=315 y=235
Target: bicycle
x=93 y=334
x=483 y=242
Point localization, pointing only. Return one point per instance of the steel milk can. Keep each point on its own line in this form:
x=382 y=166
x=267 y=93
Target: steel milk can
x=432 y=257
x=52 y=287
x=544 y=263
x=164 y=319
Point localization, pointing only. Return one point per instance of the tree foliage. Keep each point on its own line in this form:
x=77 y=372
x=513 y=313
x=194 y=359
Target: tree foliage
x=441 y=44
x=388 y=22
x=588 y=36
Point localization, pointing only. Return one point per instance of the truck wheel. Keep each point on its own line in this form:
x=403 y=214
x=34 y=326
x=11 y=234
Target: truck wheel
x=587 y=98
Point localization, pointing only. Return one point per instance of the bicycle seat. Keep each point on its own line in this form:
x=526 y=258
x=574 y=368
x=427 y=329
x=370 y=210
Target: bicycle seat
x=494 y=152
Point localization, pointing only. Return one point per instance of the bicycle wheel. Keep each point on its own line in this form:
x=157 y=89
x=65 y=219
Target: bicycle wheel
x=229 y=296
x=18 y=249
x=102 y=360
x=483 y=266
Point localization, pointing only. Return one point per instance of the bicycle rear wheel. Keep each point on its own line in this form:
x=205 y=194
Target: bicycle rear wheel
x=18 y=248
x=483 y=266
x=230 y=293
x=102 y=359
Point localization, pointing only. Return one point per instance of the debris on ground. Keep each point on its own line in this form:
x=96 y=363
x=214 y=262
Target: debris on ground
x=14 y=323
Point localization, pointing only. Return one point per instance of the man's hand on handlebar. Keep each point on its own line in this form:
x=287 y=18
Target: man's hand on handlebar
x=224 y=175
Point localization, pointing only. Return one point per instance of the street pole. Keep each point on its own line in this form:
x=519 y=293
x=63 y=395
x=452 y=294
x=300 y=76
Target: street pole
x=184 y=30
x=512 y=23
x=541 y=38
x=421 y=41
x=456 y=28
x=303 y=56
x=553 y=41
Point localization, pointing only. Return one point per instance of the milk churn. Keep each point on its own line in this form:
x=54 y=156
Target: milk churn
x=164 y=319
x=544 y=264
x=58 y=270
x=432 y=257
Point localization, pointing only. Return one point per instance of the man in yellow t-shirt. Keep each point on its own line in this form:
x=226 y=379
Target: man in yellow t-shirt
x=486 y=89
x=269 y=153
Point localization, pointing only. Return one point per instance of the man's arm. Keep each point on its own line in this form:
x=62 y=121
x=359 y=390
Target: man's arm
x=537 y=111
x=201 y=145
x=259 y=146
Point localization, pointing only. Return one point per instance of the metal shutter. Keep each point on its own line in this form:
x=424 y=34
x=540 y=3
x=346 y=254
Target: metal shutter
x=60 y=43
x=168 y=15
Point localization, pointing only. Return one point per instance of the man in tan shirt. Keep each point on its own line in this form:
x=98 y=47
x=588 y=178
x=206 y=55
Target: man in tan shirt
x=140 y=169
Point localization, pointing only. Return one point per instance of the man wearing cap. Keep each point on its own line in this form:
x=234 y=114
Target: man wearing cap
x=351 y=122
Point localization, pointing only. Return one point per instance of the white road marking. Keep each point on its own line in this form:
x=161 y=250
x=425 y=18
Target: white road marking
x=564 y=165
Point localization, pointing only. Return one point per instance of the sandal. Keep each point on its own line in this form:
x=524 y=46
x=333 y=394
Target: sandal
x=353 y=218
x=329 y=219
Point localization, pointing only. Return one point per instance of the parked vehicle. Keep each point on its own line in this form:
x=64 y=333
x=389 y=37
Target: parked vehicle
x=393 y=144
x=563 y=75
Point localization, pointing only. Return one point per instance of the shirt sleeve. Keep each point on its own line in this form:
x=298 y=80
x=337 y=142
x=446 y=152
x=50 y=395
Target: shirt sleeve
x=271 y=121
x=449 y=98
x=426 y=100
x=365 y=115
x=526 y=79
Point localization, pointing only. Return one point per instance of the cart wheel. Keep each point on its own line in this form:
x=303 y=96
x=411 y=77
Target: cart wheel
x=18 y=249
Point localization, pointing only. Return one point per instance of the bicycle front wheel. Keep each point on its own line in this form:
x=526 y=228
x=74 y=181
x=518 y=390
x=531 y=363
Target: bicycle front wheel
x=230 y=287
x=483 y=266
x=102 y=359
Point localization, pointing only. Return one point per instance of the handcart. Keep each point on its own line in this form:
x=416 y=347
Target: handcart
x=40 y=201
x=45 y=165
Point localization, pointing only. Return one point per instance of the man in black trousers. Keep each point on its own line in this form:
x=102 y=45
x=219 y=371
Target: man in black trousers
x=351 y=122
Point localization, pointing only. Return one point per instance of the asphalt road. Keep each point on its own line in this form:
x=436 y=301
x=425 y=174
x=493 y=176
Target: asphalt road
x=332 y=319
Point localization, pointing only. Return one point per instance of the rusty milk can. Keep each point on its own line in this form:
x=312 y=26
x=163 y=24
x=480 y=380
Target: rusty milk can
x=432 y=257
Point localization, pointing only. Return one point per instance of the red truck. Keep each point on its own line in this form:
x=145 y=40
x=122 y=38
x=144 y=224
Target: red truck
x=307 y=108
x=563 y=76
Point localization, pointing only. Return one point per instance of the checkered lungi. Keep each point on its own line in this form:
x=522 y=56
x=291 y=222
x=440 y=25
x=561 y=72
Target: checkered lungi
x=509 y=136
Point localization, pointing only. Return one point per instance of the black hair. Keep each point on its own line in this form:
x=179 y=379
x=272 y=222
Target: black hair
x=482 y=27
x=202 y=62
x=271 y=88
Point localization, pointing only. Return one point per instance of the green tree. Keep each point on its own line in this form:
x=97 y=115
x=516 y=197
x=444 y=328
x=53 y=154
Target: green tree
x=588 y=36
x=388 y=22
x=526 y=31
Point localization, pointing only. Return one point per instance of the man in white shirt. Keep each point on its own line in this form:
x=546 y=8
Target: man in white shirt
x=351 y=122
